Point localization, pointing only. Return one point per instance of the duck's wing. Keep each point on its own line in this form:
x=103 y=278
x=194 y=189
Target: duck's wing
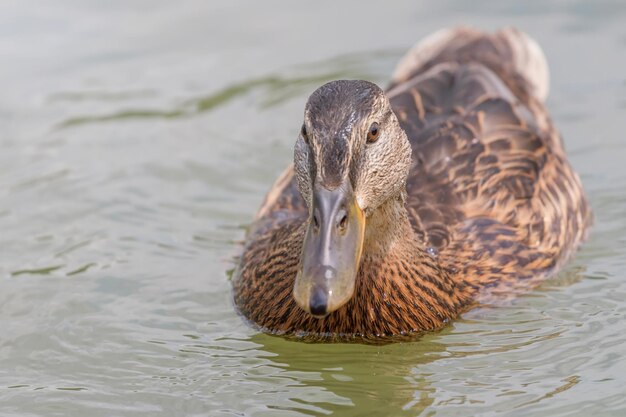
x=487 y=161
x=515 y=58
x=283 y=203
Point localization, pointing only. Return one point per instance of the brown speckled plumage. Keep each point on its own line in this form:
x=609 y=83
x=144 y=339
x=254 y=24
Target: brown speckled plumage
x=491 y=199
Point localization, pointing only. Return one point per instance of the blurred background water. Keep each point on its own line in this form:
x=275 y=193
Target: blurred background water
x=137 y=140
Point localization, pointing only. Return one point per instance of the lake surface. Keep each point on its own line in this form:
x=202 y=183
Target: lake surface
x=137 y=140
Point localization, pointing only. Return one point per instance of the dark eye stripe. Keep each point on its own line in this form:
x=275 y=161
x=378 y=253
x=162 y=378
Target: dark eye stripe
x=304 y=134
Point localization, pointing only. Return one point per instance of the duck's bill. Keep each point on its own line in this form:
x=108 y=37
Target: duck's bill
x=331 y=252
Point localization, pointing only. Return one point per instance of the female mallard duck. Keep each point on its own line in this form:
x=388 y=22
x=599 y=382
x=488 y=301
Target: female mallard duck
x=406 y=207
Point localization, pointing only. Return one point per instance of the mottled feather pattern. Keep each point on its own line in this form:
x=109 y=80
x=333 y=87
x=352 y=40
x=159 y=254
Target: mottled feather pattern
x=491 y=197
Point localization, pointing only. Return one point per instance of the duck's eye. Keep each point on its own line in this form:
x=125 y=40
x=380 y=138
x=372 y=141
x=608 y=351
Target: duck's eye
x=373 y=133
x=303 y=133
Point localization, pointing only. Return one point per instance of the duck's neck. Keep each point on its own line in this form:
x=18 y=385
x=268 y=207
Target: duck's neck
x=386 y=227
x=402 y=286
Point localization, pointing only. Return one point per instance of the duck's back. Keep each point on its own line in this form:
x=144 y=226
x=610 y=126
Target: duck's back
x=490 y=189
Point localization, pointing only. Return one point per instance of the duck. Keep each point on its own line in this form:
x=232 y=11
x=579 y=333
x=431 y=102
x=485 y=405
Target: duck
x=408 y=206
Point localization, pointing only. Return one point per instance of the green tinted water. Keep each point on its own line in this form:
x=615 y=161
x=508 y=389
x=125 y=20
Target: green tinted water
x=136 y=143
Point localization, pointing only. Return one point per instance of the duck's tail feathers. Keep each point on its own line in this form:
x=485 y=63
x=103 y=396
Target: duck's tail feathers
x=509 y=52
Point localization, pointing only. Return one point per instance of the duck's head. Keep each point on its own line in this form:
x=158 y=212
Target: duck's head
x=351 y=157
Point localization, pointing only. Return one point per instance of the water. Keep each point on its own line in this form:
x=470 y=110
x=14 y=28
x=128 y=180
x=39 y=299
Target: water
x=138 y=139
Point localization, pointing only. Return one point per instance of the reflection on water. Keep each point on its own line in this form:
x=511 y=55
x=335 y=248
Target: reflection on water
x=137 y=143
x=274 y=90
x=334 y=375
